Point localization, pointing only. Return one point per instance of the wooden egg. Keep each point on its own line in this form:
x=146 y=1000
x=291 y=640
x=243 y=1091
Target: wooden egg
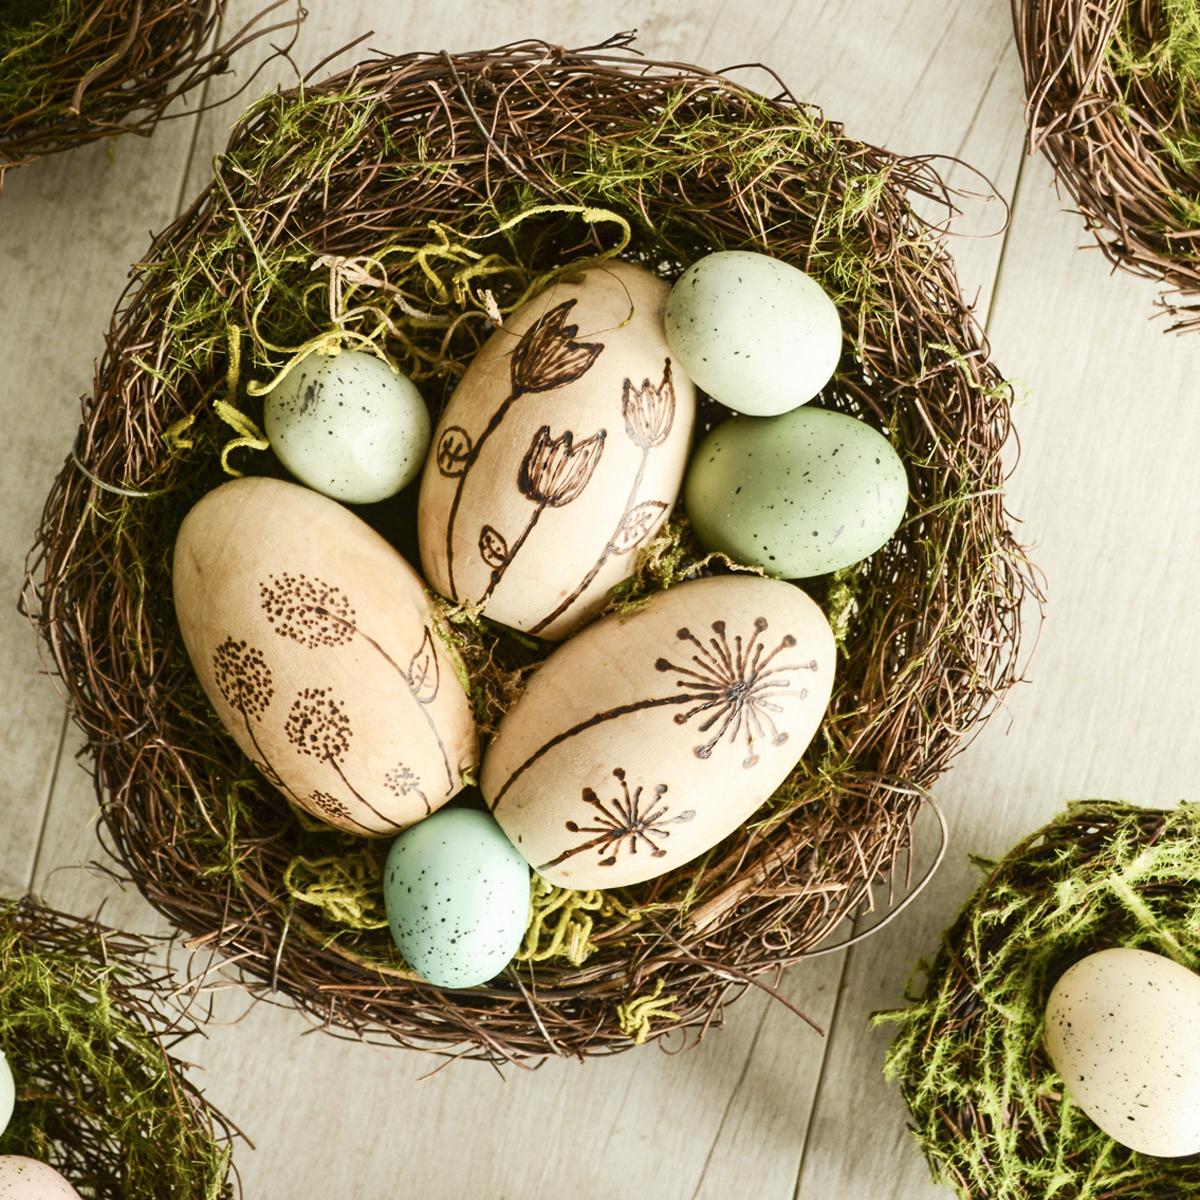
x=313 y=640
x=646 y=739
x=561 y=452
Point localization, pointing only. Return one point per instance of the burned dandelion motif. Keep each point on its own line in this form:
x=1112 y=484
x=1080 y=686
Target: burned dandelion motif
x=734 y=689
x=629 y=821
x=243 y=678
x=402 y=781
x=336 y=811
x=309 y=611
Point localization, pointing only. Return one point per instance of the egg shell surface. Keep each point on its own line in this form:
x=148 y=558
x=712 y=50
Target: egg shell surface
x=457 y=898
x=1123 y=1031
x=348 y=426
x=314 y=641
x=560 y=453
x=8 y=1093
x=28 y=1179
x=798 y=495
x=647 y=738
x=757 y=334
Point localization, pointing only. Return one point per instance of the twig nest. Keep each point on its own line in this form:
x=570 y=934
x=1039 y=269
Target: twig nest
x=101 y=1109
x=504 y=174
x=73 y=73
x=1002 y=1095
x=1113 y=101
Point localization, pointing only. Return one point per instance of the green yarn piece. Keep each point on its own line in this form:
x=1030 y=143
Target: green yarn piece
x=987 y=1105
x=96 y=1095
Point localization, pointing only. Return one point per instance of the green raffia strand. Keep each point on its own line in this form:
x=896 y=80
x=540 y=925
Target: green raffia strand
x=426 y=299
x=87 y=1068
x=984 y=1098
x=635 y=1016
x=562 y=920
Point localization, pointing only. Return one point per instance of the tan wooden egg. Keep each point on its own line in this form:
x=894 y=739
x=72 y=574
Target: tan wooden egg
x=646 y=739
x=561 y=452
x=313 y=640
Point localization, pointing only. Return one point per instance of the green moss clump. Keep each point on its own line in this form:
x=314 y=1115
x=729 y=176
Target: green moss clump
x=34 y=35
x=987 y=1105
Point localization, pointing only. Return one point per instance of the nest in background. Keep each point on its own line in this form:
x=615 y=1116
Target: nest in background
x=408 y=202
x=1113 y=90
x=74 y=71
x=988 y=1104
x=85 y=1022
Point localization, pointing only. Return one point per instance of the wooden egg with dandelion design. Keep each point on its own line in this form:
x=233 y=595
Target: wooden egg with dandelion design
x=314 y=641
x=648 y=737
x=560 y=453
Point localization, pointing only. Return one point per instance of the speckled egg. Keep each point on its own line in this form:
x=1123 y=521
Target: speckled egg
x=27 y=1179
x=8 y=1093
x=756 y=333
x=648 y=737
x=348 y=425
x=457 y=898
x=798 y=495
x=1123 y=1030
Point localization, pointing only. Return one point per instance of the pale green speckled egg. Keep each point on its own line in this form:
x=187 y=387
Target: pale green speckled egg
x=349 y=426
x=756 y=333
x=457 y=897
x=798 y=495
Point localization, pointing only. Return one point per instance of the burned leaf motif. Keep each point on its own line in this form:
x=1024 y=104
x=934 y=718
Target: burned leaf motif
x=424 y=674
x=493 y=549
x=454 y=452
x=637 y=526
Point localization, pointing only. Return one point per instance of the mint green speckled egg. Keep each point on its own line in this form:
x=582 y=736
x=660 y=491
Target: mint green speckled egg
x=457 y=897
x=801 y=494
x=8 y=1092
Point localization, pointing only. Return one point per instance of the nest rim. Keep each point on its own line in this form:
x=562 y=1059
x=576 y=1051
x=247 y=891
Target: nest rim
x=538 y=1010
x=1107 y=133
x=119 y=71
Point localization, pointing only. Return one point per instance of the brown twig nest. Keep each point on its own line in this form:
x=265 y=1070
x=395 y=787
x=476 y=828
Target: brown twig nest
x=1113 y=101
x=74 y=71
x=408 y=201
x=87 y=1022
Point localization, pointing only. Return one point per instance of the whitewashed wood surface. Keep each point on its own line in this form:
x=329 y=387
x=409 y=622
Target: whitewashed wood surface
x=1106 y=491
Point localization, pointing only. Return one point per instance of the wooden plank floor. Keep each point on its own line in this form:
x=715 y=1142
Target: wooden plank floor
x=764 y=1108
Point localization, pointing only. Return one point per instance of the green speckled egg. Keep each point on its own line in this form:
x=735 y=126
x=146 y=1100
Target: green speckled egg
x=799 y=495
x=8 y=1092
x=457 y=897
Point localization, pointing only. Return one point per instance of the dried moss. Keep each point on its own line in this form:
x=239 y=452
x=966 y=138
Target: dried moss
x=987 y=1104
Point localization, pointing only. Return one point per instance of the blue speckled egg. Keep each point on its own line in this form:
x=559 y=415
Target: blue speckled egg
x=457 y=897
x=8 y=1092
x=756 y=333
x=349 y=426
x=798 y=495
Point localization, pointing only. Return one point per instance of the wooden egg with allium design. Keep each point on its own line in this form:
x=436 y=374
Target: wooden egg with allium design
x=313 y=639
x=646 y=739
x=561 y=452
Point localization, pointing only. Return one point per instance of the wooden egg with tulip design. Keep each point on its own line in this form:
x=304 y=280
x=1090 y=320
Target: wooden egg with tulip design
x=560 y=453
x=647 y=738
x=313 y=639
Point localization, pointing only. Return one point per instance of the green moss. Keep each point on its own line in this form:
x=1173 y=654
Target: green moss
x=987 y=1106
x=34 y=34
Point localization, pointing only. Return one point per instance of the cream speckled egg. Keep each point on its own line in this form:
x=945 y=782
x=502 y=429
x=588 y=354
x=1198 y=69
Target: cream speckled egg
x=1123 y=1030
x=457 y=898
x=756 y=333
x=8 y=1092
x=647 y=738
x=314 y=641
x=798 y=495
x=27 y=1179
x=560 y=453
x=348 y=426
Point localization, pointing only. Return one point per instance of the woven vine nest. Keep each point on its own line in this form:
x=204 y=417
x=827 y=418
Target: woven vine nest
x=1113 y=101
x=411 y=201
x=987 y=1105
x=87 y=1020
x=74 y=71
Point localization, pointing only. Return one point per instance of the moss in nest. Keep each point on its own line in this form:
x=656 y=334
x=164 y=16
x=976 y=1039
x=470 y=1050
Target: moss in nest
x=987 y=1104
x=97 y=1095
x=34 y=34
